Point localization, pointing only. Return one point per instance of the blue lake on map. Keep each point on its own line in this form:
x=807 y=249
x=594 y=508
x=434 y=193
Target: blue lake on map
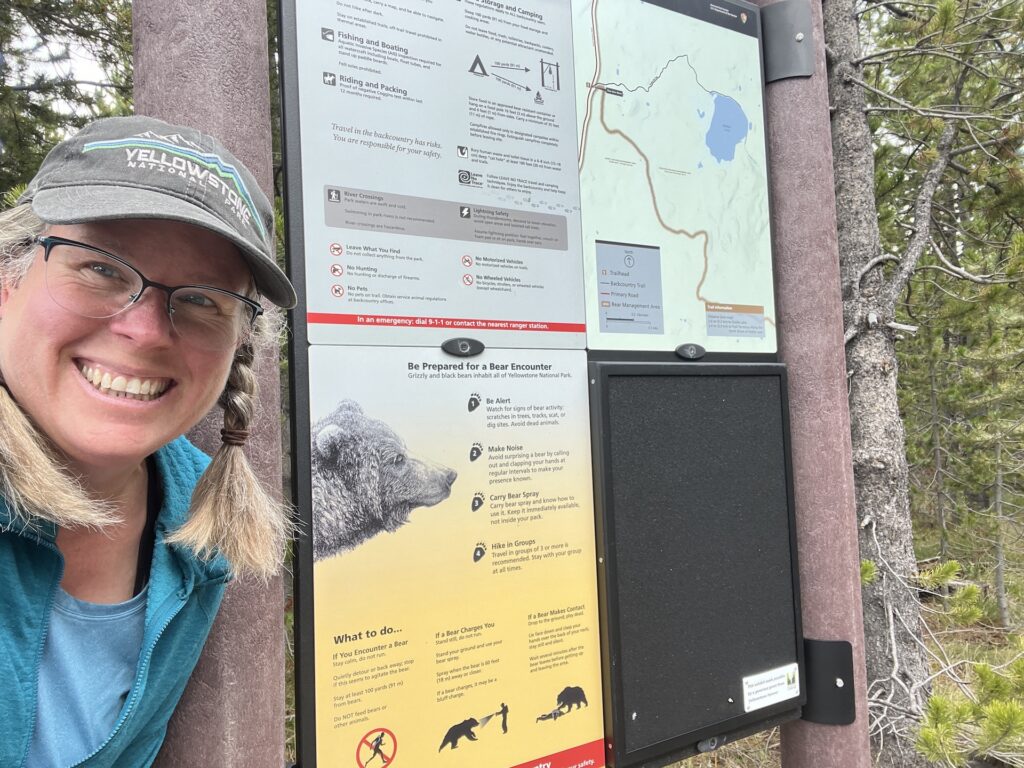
x=729 y=126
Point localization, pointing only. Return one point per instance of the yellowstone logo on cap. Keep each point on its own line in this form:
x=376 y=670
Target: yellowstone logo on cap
x=176 y=155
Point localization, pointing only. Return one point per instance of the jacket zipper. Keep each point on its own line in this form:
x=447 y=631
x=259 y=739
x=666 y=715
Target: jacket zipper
x=143 y=667
x=42 y=641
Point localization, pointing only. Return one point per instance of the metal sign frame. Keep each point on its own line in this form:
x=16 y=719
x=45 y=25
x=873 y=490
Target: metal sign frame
x=708 y=736
x=299 y=399
x=298 y=391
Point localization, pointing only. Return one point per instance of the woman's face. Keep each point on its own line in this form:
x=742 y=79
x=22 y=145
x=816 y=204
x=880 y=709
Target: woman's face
x=46 y=351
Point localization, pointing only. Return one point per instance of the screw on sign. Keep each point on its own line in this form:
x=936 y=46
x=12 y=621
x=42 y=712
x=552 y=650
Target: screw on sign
x=336 y=249
x=467 y=279
x=378 y=743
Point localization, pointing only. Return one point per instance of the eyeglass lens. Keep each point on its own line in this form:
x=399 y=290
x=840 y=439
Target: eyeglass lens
x=92 y=284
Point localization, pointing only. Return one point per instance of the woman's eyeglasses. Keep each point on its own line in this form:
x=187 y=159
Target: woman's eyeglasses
x=93 y=283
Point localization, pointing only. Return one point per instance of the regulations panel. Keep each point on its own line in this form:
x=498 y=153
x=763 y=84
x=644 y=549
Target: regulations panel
x=544 y=175
x=439 y=172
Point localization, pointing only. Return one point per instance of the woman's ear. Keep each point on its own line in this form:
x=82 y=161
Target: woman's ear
x=8 y=285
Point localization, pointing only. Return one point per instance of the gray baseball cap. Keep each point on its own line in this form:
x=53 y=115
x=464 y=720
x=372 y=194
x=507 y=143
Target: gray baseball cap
x=143 y=168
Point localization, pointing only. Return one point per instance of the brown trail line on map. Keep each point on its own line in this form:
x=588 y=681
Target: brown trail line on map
x=647 y=163
x=654 y=200
x=593 y=84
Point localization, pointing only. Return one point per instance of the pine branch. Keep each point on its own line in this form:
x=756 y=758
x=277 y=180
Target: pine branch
x=52 y=84
x=906 y=106
x=922 y=218
x=955 y=271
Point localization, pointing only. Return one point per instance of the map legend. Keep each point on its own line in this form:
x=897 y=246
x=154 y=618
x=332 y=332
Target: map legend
x=629 y=288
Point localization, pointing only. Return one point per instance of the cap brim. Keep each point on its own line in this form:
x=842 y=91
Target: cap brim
x=80 y=204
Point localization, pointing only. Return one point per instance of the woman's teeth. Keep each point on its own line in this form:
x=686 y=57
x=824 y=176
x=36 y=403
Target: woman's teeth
x=122 y=386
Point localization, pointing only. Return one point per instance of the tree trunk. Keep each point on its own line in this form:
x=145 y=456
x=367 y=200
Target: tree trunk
x=896 y=662
x=940 y=469
x=940 y=475
x=1001 y=599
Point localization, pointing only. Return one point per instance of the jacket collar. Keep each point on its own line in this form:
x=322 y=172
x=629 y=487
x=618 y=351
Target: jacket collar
x=180 y=465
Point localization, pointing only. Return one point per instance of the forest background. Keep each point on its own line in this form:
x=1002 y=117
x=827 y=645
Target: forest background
x=928 y=146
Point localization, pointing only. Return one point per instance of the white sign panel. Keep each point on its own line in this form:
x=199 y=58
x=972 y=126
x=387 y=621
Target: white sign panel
x=673 y=173
x=439 y=173
x=464 y=175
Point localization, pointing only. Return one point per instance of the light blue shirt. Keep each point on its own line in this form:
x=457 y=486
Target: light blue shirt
x=88 y=665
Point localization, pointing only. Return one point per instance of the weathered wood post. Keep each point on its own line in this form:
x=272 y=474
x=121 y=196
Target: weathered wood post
x=205 y=65
x=810 y=315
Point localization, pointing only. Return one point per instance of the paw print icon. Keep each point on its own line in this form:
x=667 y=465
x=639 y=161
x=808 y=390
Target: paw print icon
x=479 y=552
x=478 y=501
x=474 y=402
x=476 y=452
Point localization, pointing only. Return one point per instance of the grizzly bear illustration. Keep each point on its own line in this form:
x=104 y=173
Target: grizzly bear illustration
x=364 y=481
x=571 y=695
x=456 y=732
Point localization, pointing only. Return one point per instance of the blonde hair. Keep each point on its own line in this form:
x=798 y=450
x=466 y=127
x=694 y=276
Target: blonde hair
x=231 y=512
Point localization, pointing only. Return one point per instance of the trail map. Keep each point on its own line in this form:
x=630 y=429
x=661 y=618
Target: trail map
x=673 y=175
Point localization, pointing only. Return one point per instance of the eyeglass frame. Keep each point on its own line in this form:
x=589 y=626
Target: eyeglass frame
x=49 y=241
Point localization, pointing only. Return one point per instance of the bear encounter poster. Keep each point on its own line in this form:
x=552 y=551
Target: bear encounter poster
x=455 y=601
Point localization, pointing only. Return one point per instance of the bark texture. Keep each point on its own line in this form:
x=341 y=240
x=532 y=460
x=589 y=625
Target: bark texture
x=205 y=64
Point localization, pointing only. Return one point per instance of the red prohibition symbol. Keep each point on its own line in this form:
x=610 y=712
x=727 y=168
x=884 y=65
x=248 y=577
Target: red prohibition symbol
x=336 y=249
x=337 y=291
x=337 y=270
x=467 y=279
x=378 y=743
x=467 y=260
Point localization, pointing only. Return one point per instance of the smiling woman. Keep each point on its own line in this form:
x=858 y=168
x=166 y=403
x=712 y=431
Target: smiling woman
x=131 y=274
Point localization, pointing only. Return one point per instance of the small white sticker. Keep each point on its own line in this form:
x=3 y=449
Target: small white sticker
x=767 y=688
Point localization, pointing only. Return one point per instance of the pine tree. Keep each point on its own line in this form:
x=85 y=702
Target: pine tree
x=934 y=92
x=41 y=97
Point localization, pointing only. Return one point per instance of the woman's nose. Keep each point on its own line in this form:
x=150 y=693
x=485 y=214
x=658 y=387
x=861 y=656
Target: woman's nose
x=146 y=321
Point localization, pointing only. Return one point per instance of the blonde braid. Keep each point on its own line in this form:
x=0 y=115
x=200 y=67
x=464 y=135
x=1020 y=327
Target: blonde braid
x=232 y=513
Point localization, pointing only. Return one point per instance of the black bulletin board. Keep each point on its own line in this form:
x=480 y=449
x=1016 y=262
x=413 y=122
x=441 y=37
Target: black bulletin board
x=697 y=569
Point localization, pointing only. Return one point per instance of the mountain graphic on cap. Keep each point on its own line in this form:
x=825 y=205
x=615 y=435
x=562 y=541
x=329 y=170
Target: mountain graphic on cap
x=143 y=168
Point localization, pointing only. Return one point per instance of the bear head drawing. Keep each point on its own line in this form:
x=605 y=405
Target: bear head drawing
x=364 y=480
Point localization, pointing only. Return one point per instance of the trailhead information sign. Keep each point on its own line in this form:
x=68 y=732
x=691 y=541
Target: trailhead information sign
x=541 y=178
x=548 y=174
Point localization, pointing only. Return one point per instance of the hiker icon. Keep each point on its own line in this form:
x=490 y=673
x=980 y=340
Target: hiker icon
x=376 y=745
x=380 y=742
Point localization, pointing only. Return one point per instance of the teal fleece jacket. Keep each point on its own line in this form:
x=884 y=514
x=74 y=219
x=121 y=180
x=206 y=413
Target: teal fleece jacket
x=184 y=595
